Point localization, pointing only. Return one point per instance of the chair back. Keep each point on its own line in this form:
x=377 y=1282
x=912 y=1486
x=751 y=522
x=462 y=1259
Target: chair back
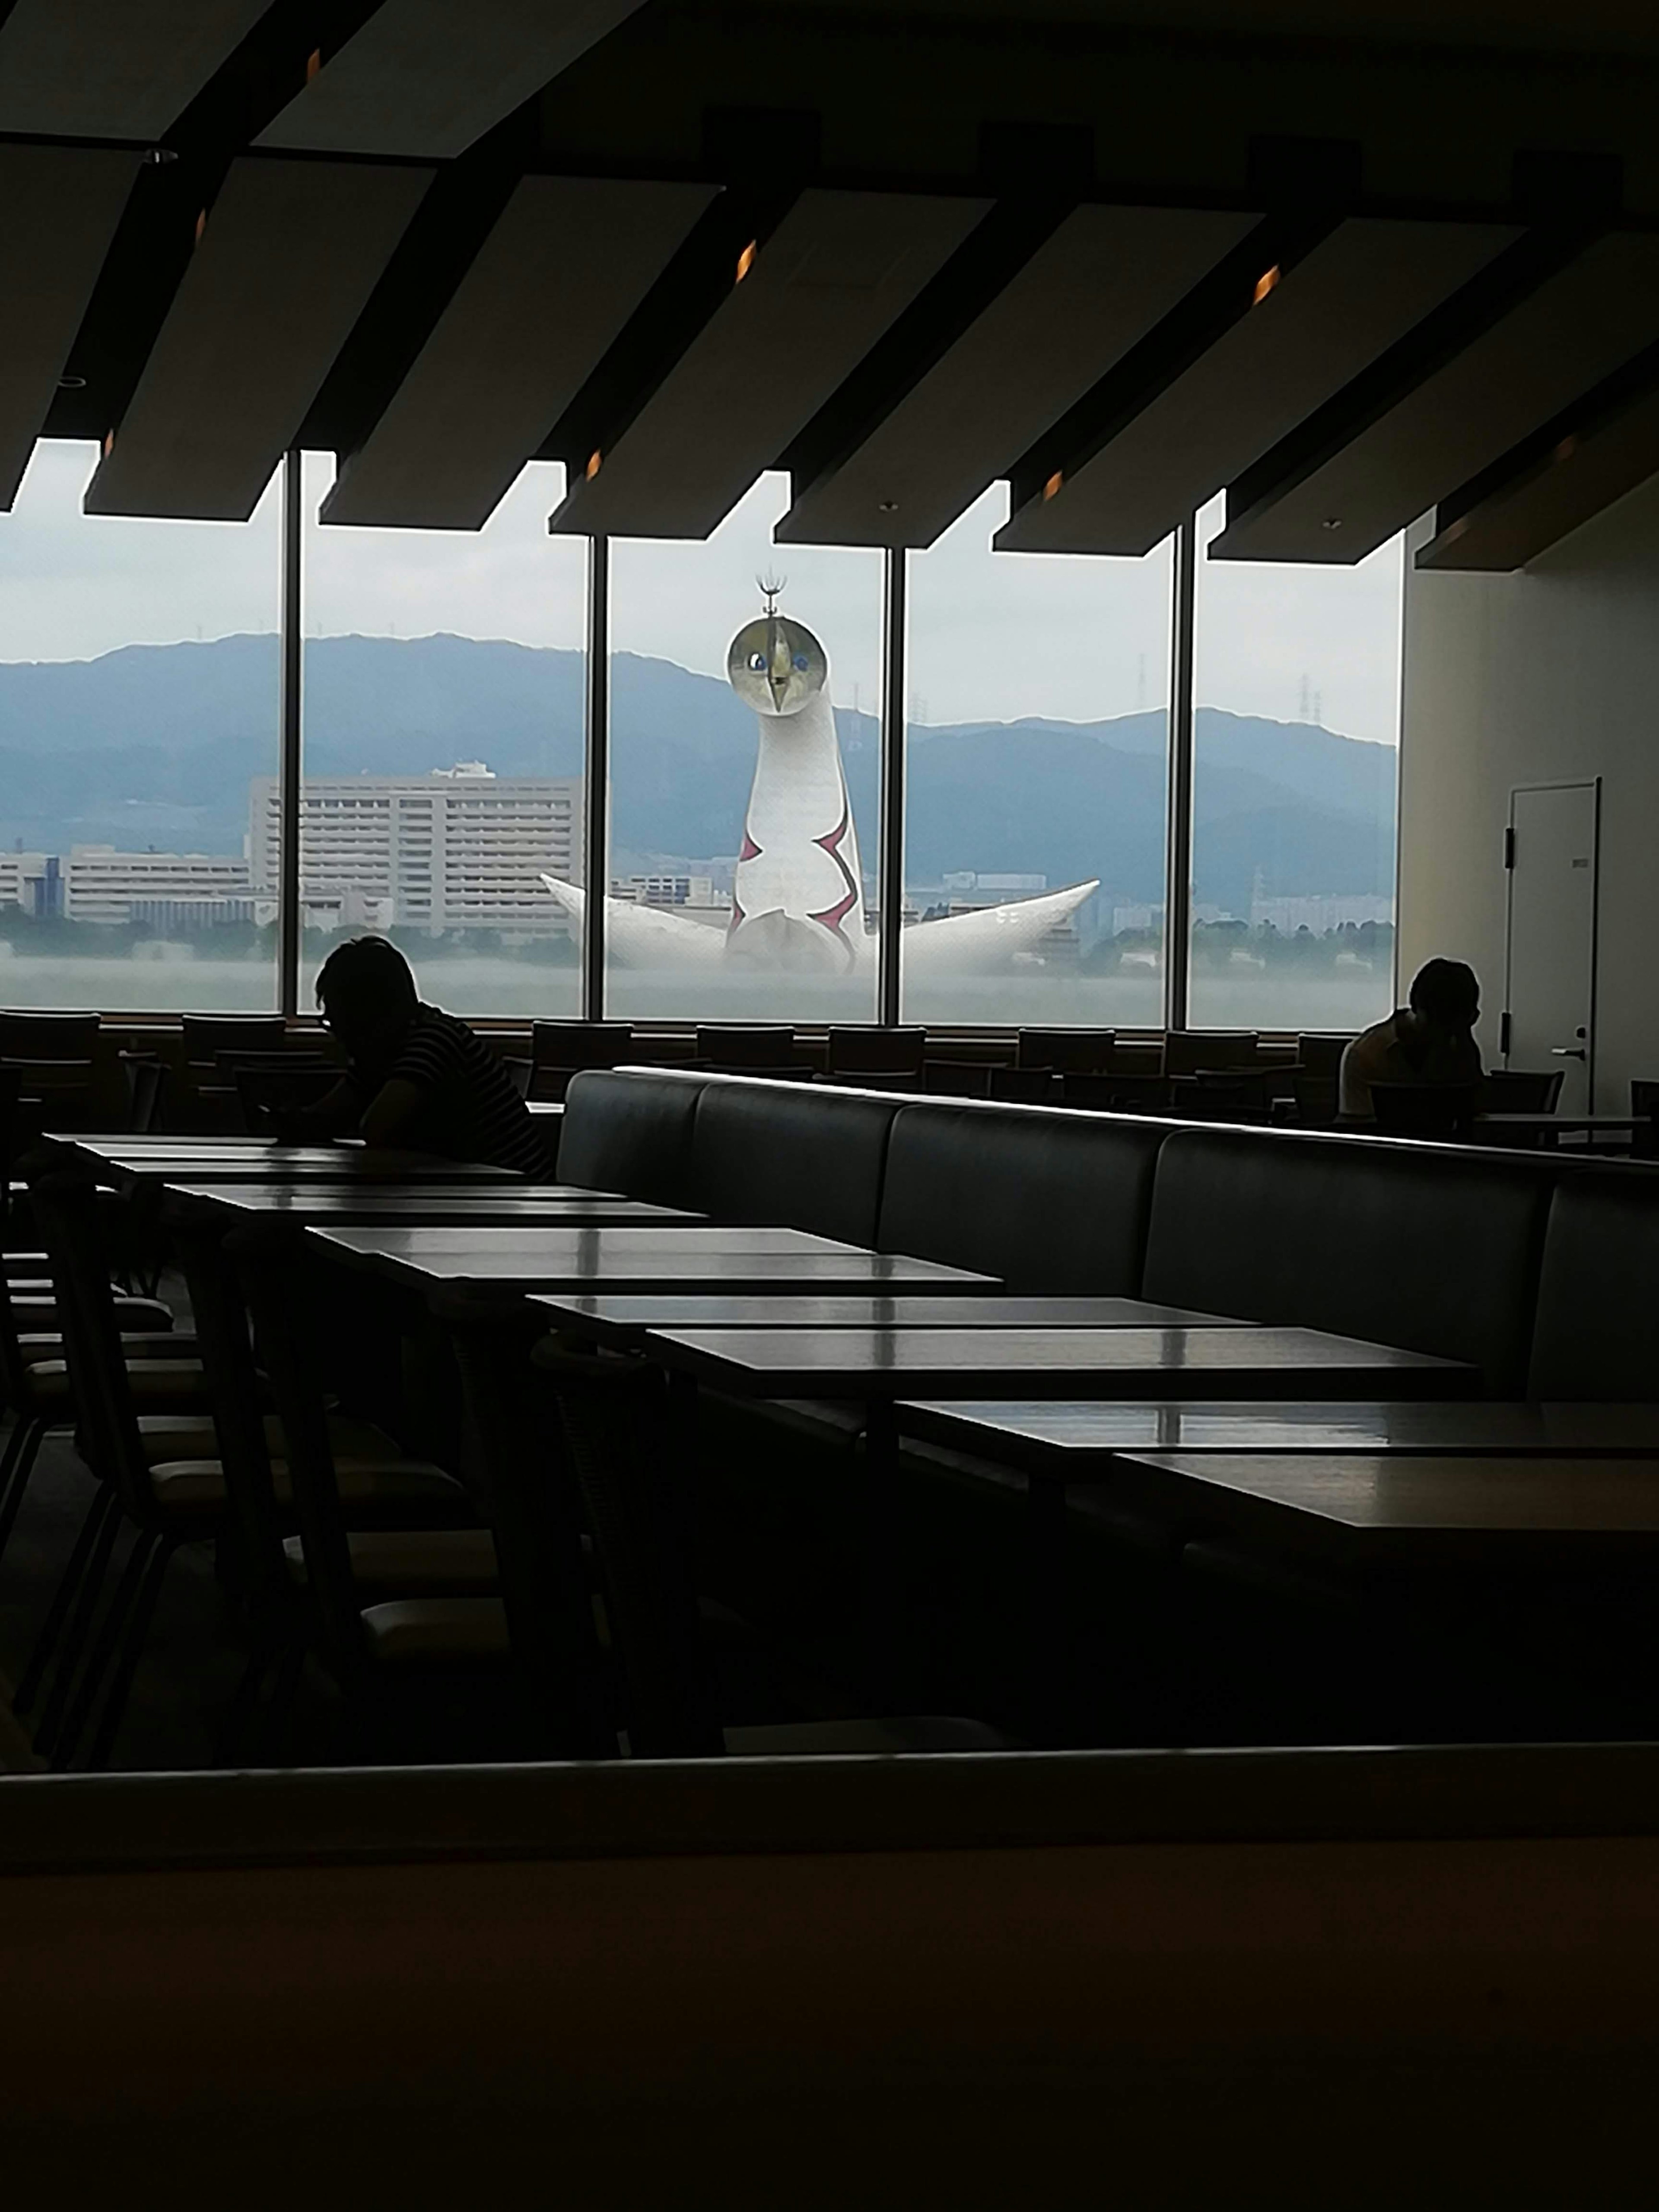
x=68 y=1216
x=1645 y=1102
x=1322 y=1055
x=612 y=1413
x=206 y=1036
x=48 y=1036
x=269 y=1266
x=1521 y=1090
x=957 y=1079
x=517 y=1467
x=1067 y=1052
x=147 y=1085
x=574 y=1045
x=1022 y=1086
x=1425 y=1109
x=1315 y=1097
x=11 y=1084
x=747 y=1047
x=871 y=1050
x=1196 y=1052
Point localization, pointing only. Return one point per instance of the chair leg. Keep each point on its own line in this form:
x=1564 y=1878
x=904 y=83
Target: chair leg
x=22 y=1450
x=236 y=1727
x=99 y=1513
x=59 y=1744
x=78 y=1634
x=131 y=1650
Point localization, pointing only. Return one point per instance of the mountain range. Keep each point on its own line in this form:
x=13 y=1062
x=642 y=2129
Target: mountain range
x=154 y=746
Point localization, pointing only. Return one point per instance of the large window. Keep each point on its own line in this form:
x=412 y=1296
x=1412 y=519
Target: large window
x=1298 y=688
x=744 y=775
x=442 y=803
x=1035 y=783
x=139 y=702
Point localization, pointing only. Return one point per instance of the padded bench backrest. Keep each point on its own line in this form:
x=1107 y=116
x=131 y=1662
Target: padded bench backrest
x=1597 y=1334
x=629 y=1131
x=1433 y=1250
x=1053 y=1203
x=792 y=1155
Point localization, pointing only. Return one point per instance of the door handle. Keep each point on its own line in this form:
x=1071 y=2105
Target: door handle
x=1568 y=1052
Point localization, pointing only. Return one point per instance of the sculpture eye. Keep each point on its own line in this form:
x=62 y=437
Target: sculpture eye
x=800 y=662
x=757 y=662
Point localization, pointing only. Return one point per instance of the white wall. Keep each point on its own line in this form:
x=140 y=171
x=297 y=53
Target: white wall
x=1547 y=676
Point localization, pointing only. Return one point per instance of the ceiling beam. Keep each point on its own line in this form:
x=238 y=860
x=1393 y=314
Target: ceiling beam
x=427 y=78
x=1102 y=278
x=63 y=204
x=568 y=262
x=112 y=69
x=806 y=308
x=1543 y=489
x=287 y=258
x=1351 y=486
x=1303 y=331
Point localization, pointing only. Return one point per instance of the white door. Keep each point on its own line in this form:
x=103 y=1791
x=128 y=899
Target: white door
x=1550 y=974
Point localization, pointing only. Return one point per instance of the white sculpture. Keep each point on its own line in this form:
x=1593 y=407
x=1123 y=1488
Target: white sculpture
x=797 y=892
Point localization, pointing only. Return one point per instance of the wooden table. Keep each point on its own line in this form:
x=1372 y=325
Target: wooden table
x=323 y=1205
x=1549 y=1128
x=749 y=1261
x=622 y=1320
x=1503 y=1509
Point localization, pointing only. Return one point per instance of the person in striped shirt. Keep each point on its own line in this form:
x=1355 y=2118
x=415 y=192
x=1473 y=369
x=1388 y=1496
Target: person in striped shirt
x=417 y=1079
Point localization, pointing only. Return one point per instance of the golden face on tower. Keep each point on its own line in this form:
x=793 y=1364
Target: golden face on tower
x=775 y=665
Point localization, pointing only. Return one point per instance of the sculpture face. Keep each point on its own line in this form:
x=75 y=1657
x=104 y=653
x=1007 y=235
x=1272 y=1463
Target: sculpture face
x=775 y=665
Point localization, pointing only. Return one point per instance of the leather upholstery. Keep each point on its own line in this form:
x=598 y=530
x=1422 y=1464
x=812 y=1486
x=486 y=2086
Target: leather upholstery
x=1599 y=1291
x=1050 y=1202
x=782 y=1153
x=1434 y=1251
x=629 y=1133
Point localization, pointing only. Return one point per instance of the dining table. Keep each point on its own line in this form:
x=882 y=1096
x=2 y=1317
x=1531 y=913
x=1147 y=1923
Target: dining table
x=492 y=1206
x=622 y=1319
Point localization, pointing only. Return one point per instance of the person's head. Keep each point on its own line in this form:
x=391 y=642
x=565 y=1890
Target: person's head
x=1445 y=997
x=366 y=989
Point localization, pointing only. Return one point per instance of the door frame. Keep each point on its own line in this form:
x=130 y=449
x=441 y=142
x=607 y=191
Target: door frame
x=1592 y=784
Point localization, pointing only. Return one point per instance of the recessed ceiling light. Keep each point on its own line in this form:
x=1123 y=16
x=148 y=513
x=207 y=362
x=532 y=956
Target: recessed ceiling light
x=887 y=506
x=746 y=260
x=1054 y=483
x=595 y=462
x=1331 y=522
x=158 y=157
x=314 y=63
x=1268 y=282
x=1567 y=448
x=201 y=226
x=71 y=384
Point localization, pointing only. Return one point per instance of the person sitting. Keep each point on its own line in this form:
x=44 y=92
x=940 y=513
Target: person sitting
x=1428 y=1040
x=417 y=1079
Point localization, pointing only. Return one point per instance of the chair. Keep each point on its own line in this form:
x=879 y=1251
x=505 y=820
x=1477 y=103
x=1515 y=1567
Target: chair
x=206 y=1036
x=1126 y=1093
x=1319 y=1055
x=613 y=1418
x=1197 y=1052
x=1315 y=1097
x=147 y=1087
x=748 y=1048
x=957 y=1079
x=275 y=1083
x=1425 y=1109
x=1520 y=1090
x=1021 y=1086
x=53 y=1055
x=376 y=1652
x=559 y=1050
x=48 y=1036
x=1645 y=1102
x=852 y=1052
x=1067 y=1052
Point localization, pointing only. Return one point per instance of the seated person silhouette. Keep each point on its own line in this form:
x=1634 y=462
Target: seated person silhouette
x=1428 y=1040
x=417 y=1080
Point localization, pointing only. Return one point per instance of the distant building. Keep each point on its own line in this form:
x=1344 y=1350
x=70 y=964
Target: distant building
x=694 y=897
x=1319 y=915
x=23 y=880
x=101 y=884
x=460 y=848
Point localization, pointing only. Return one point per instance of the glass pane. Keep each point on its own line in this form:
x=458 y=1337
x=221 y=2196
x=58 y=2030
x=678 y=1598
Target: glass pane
x=1035 y=783
x=442 y=794
x=744 y=806
x=1298 y=691
x=138 y=711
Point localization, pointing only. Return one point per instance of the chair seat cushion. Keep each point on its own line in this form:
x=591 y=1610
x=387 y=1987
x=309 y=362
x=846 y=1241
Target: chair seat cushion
x=436 y=1631
x=163 y=1344
x=192 y=1435
x=154 y=1383
x=388 y=1563
x=387 y=1486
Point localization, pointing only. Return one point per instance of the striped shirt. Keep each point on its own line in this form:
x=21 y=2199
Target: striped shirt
x=468 y=1109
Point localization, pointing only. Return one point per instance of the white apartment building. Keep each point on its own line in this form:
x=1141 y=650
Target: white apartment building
x=103 y=884
x=19 y=873
x=459 y=849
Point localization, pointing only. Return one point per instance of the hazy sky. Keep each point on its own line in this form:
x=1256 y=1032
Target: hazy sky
x=994 y=636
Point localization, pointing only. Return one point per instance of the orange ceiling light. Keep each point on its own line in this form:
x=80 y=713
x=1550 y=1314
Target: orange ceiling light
x=1052 y=487
x=1266 y=283
x=746 y=260
x=595 y=463
x=314 y=63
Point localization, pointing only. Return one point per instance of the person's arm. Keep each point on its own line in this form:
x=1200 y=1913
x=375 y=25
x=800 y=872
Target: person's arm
x=336 y=1113
x=390 y=1115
